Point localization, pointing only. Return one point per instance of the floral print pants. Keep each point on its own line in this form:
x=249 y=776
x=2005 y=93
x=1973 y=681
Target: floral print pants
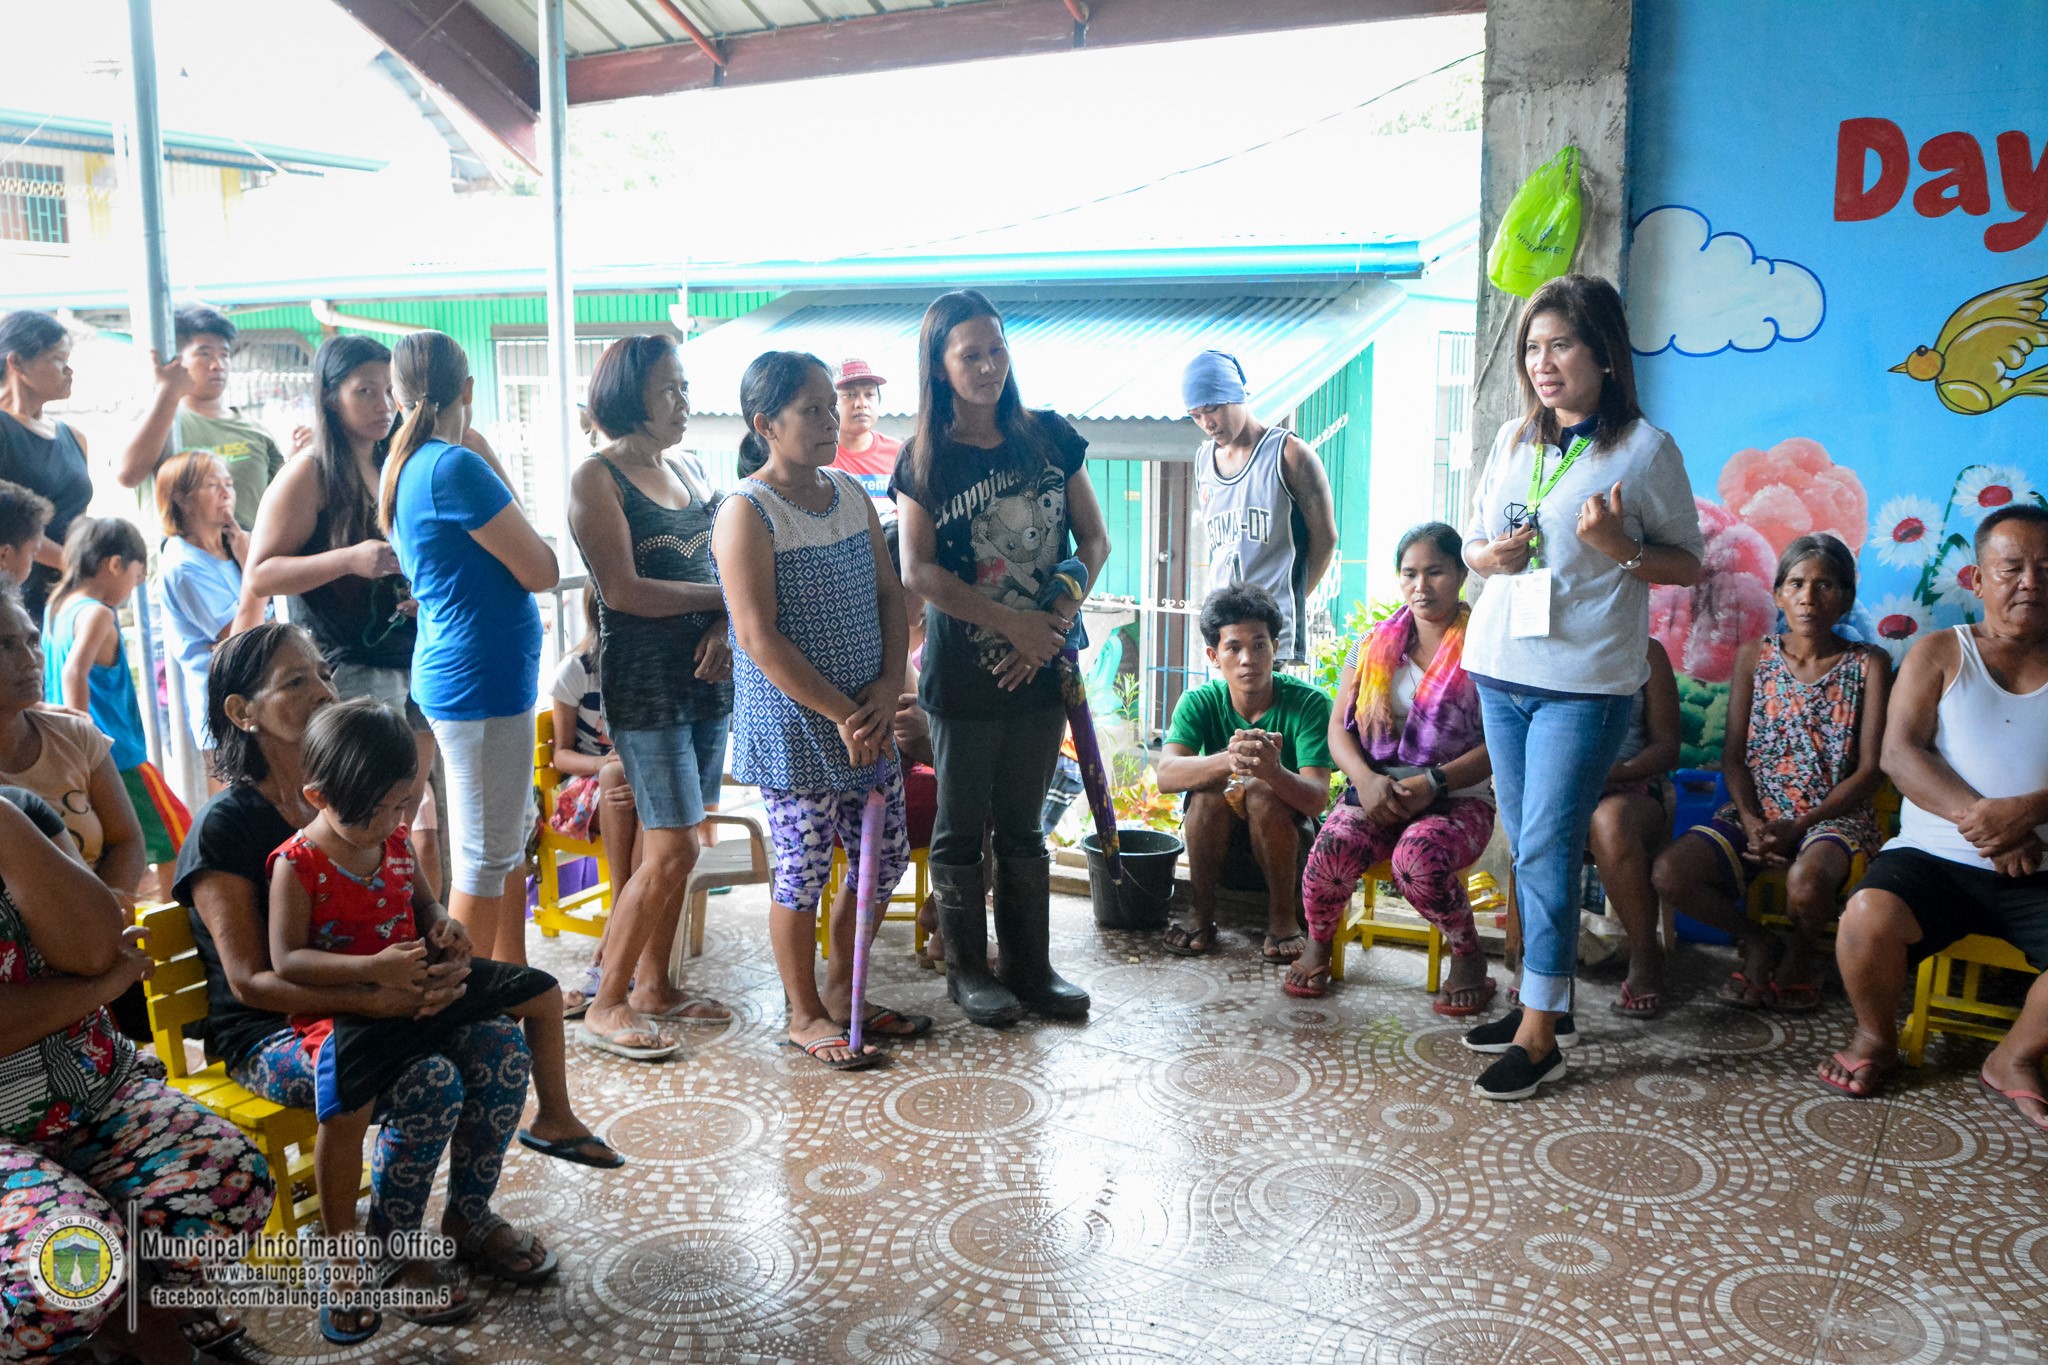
x=466 y=1100
x=192 y=1173
x=805 y=826
x=1429 y=855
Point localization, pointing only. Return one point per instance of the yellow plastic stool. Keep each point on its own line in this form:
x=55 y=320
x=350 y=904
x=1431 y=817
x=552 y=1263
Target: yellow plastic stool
x=921 y=883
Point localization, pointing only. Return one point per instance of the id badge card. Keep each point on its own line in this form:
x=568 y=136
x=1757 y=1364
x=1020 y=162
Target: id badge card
x=1529 y=604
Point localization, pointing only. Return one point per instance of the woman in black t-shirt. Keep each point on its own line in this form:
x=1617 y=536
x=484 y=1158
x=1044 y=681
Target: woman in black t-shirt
x=263 y=688
x=994 y=498
x=40 y=453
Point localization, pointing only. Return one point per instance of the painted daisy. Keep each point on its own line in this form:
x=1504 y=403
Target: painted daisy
x=1955 y=581
x=1900 y=622
x=1906 y=531
x=1984 y=488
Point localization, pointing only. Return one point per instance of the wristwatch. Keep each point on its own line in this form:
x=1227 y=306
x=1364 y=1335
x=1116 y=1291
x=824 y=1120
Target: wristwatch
x=1437 y=779
x=1636 y=562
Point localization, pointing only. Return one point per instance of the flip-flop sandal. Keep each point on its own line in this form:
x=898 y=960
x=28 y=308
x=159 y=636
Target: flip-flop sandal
x=201 y=1317
x=1315 y=987
x=678 y=1013
x=1271 y=950
x=591 y=1038
x=338 y=1336
x=1746 y=995
x=858 y=1062
x=593 y=977
x=1186 y=946
x=2013 y=1098
x=576 y=1150
x=469 y=1249
x=888 y=1023
x=1871 y=1088
x=1801 y=997
x=1648 y=1005
x=1487 y=991
x=458 y=1310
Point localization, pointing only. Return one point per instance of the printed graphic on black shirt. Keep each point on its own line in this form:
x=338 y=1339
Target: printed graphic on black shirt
x=1016 y=540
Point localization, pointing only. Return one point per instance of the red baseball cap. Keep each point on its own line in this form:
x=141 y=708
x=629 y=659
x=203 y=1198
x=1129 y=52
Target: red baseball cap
x=856 y=372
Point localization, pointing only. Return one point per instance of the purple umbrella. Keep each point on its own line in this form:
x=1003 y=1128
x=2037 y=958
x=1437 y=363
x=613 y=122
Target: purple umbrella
x=1088 y=754
x=866 y=916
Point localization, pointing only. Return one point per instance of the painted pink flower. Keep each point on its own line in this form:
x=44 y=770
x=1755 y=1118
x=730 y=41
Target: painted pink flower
x=1703 y=626
x=1794 y=489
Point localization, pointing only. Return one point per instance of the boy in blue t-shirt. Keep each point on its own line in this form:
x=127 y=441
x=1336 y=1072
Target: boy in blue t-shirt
x=1252 y=751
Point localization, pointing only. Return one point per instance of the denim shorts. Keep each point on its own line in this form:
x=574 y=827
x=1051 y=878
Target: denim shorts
x=675 y=773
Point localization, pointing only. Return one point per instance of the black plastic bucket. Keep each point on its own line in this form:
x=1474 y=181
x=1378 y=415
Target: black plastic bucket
x=1142 y=899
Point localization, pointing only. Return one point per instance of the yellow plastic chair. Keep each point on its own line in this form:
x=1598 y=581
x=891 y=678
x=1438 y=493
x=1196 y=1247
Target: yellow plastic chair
x=1361 y=927
x=585 y=911
x=176 y=995
x=1767 y=904
x=1938 y=1008
x=921 y=884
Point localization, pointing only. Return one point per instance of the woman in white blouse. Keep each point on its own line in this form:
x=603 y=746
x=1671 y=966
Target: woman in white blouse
x=1582 y=507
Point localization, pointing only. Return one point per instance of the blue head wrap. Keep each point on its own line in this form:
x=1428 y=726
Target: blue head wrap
x=1211 y=379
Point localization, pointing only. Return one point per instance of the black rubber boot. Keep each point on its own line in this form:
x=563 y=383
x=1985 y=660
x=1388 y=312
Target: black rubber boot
x=963 y=919
x=1023 y=938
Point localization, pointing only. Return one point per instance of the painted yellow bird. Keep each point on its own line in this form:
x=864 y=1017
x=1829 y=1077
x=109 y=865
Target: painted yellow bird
x=1980 y=358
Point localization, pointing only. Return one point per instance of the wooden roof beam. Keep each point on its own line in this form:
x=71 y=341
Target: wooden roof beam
x=451 y=45
x=957 y=33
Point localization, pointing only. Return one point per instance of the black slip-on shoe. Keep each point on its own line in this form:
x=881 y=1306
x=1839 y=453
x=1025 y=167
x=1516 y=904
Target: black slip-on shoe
x=1499 y=1035
x=1515 y=1077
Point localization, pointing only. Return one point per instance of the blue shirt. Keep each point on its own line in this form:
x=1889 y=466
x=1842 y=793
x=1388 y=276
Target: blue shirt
x=478 y=654
x=199 y=594
x=110 y=688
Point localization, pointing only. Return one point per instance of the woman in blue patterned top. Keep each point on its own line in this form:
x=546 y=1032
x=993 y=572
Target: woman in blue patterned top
x=819 y=644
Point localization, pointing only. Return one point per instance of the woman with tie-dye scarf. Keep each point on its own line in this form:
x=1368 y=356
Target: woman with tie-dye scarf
x=1406 y=732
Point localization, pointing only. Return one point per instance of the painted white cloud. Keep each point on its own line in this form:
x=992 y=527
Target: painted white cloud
x=1699 y=292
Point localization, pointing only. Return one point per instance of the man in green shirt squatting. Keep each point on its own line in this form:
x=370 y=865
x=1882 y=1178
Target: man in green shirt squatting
x=1251 y=750
x=190 y=412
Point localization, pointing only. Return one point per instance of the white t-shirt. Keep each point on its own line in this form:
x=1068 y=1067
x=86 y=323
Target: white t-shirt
x=1599 y=613
x=576 y=685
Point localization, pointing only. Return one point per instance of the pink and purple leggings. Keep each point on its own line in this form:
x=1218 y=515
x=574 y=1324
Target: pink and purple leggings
x=1429 y=855
x=805 y=826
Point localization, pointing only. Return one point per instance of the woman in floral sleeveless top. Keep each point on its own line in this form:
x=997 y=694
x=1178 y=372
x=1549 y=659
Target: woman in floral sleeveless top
x=1807 y=710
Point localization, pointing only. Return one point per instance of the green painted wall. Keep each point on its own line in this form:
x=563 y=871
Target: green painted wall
x=1347 y=456
x=472 y=322
x=1117 y=485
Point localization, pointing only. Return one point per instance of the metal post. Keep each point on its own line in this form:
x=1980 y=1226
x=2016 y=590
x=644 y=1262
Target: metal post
x=151 y=310
x=147 y=165
x=554 y=105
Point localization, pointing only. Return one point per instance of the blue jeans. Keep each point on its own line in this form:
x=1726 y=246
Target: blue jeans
x=1550 y=760
x=675 y=773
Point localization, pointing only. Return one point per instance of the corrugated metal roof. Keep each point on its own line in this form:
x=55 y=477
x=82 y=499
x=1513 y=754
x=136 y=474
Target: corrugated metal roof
x=29 y=128
x=1093 y=357
x=598 y=26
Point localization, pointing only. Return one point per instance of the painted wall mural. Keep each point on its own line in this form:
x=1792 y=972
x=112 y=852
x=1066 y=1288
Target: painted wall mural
x=1837 y=283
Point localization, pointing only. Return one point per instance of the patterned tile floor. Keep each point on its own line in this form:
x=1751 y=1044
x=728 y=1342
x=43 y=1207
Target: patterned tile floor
x=1208 y=1171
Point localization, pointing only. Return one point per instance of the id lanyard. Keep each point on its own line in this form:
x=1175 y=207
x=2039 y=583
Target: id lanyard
x=1539 y=489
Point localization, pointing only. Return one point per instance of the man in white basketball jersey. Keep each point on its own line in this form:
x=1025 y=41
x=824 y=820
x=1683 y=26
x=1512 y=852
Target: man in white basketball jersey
x=1264 y=499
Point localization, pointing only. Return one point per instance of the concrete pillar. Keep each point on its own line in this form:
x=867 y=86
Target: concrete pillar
x=1556 y=73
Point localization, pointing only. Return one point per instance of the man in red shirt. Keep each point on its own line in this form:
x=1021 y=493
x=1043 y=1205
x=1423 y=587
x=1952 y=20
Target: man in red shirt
x=865 y=453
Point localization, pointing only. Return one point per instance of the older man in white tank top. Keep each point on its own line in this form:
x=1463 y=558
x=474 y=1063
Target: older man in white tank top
x=1966 y=742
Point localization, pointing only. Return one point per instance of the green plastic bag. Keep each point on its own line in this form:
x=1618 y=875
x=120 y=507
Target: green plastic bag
x=1540 y=231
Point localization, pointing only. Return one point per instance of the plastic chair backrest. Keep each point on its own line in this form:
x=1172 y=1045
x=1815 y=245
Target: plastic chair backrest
x=176 y=990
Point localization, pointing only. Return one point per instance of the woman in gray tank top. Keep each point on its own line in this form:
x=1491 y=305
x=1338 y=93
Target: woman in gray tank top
x=644 y=527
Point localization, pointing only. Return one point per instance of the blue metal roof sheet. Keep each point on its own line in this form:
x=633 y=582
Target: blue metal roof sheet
x=1088 y=357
